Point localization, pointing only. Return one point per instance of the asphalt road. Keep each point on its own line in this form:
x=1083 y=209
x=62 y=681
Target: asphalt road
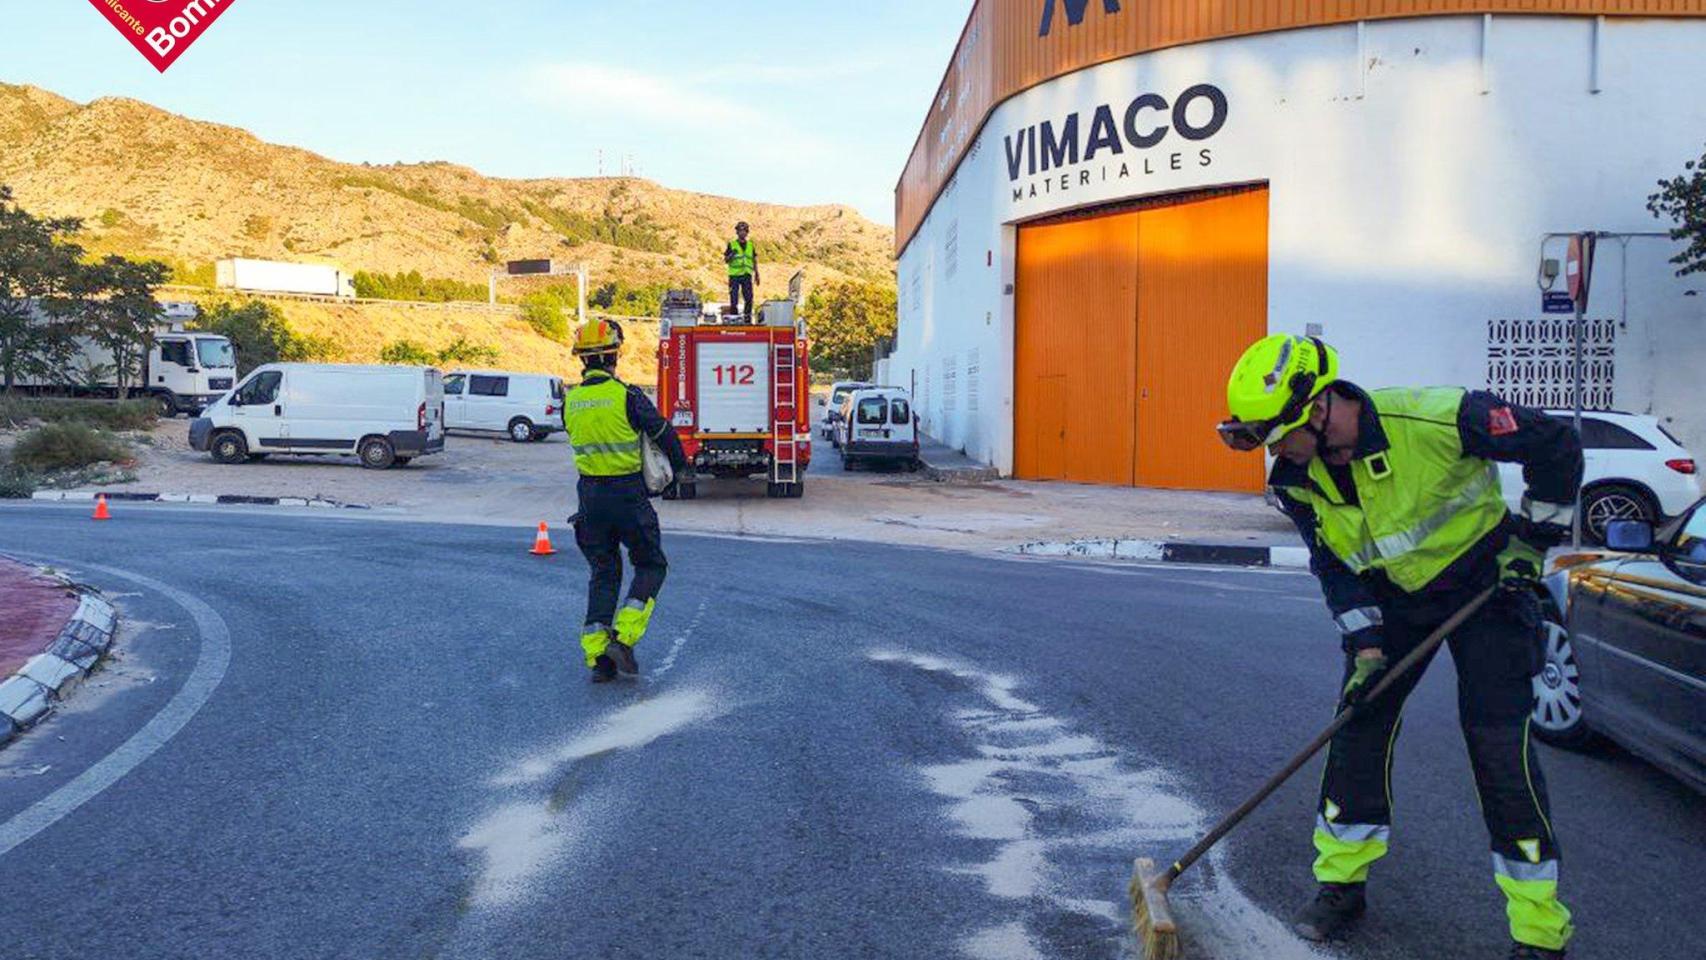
x=339 y=738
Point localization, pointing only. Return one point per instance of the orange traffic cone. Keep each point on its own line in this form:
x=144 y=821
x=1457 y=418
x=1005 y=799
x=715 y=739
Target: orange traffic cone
x=542 y=543
x=101 y=512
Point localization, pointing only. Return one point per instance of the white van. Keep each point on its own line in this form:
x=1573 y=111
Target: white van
x=877 y=424
x=838 y=392
x=384 y=415
x=527 y=406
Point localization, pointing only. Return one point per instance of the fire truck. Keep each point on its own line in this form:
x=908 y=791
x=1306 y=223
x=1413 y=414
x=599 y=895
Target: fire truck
x=737 y=389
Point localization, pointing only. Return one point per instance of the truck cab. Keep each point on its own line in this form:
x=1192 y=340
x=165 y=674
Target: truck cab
x=187 y=371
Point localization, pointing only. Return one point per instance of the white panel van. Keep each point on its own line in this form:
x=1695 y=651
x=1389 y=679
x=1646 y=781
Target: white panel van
x=527 y=406
x=877 y=425
x=384 y=415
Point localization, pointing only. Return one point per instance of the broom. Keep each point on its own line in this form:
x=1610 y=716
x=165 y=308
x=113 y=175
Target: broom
x=1152 y=916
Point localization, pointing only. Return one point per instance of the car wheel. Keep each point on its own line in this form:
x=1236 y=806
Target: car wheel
x=1614 y=501
x=521 y=430
x=377 y=453
x=846 y=462
x=229 y=447
x=1557 y=715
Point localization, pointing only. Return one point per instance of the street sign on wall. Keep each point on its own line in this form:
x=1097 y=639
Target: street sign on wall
x=1556 y=301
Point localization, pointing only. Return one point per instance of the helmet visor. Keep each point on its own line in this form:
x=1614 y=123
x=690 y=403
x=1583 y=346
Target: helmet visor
x=1244 y=435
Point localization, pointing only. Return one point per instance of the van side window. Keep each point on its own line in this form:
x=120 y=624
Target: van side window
x=262 y=389
x=175 y=351
x=453 y=385
x=873 y=410
x=900 y=410
x=479 y=386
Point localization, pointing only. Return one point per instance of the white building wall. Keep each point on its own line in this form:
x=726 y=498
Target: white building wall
x=1413 y=166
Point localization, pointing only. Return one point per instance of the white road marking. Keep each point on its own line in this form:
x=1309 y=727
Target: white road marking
x=1063 y=814
x=211 y=662
x=668 y=662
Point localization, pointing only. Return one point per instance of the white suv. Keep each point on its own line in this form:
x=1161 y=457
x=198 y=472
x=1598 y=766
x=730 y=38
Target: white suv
x=1635 y=471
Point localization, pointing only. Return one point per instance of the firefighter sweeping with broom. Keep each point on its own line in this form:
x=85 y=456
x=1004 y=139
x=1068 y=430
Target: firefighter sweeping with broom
x=605 y=420
x=1397 y=496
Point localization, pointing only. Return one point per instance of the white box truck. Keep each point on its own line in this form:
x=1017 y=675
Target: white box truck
x=385 y=415
x=277 y=276
x=183 y=372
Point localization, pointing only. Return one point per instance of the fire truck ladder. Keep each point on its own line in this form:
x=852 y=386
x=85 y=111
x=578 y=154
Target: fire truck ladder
x=783 y=439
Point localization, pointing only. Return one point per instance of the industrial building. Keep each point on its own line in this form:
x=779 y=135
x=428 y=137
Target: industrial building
x=1109 y=199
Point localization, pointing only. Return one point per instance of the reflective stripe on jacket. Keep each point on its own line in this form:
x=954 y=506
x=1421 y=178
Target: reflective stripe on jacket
x=744 y=260
x=595 y=414
x=1419 y=504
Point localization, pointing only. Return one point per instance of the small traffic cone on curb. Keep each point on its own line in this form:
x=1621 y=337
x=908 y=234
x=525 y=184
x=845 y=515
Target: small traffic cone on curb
x=101 y=511
x=542 y=543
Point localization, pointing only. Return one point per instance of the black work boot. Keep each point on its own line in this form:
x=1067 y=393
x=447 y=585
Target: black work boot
x=623 y=656
x=1528 y=951
x=1335 y=907
x=603 y=669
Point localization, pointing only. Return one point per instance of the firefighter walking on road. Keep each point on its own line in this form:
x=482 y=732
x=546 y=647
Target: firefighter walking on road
x=741 y=255
x=605 y=419
x=1398 y=498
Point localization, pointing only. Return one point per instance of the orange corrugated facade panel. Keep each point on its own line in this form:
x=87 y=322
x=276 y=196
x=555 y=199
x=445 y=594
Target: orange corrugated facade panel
x=1001 y=53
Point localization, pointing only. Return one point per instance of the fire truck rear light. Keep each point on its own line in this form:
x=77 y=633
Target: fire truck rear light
x=1683 y=466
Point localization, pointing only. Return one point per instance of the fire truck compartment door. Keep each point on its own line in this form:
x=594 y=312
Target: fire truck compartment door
x=734 y=387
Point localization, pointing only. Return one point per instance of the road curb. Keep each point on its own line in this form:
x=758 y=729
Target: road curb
x=239 y=499
x=1169 y=551
x=48 y=677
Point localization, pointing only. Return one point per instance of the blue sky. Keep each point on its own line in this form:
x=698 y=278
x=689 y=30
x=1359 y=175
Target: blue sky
x=806 y=102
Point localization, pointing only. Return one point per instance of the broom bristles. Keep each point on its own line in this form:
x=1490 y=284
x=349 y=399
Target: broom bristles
x=1151 y=917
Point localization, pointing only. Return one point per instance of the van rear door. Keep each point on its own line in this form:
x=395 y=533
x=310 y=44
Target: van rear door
x=434 y=403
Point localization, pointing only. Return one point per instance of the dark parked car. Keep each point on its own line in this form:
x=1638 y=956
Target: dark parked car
x=1629 y=659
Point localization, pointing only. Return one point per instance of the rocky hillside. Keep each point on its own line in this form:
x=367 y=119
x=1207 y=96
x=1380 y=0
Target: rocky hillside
x=152 y=183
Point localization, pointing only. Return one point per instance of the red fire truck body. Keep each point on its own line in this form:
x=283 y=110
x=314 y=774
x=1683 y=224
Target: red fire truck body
x=738 y=394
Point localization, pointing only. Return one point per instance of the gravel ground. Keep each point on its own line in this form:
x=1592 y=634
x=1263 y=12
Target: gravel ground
x=487 y=479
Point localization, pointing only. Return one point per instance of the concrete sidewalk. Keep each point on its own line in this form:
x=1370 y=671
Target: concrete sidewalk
x=947 y=465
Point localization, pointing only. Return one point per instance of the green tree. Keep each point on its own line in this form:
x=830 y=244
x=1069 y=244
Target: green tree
x=547 y=312
x=407 y=353
x=1682 y=199
x=460 y=351
x=38 y=269
x=847 y=319
x=118 y=310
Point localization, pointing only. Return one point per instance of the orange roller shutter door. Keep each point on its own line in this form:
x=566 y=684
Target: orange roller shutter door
x=1202 y=298
x=1076 y=350
x=1125 y=326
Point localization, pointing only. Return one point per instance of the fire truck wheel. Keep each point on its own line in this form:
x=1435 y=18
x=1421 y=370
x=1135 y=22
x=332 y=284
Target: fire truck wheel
x=796 y=490
x=687 y=491
x=773 y=490
x=846 y=462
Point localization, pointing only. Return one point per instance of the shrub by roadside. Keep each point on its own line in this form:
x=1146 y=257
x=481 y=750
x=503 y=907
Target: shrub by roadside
x=19 y=412
x=67 y=446
x=16 y=483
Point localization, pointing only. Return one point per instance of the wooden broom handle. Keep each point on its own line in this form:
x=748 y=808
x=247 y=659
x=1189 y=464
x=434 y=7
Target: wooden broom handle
x=1349 y=713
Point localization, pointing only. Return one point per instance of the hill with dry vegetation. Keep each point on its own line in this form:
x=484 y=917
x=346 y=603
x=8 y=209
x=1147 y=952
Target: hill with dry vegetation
x=150 y=183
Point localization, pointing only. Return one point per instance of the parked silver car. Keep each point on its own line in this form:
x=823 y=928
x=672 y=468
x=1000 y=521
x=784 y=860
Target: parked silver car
x=1627 y=659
